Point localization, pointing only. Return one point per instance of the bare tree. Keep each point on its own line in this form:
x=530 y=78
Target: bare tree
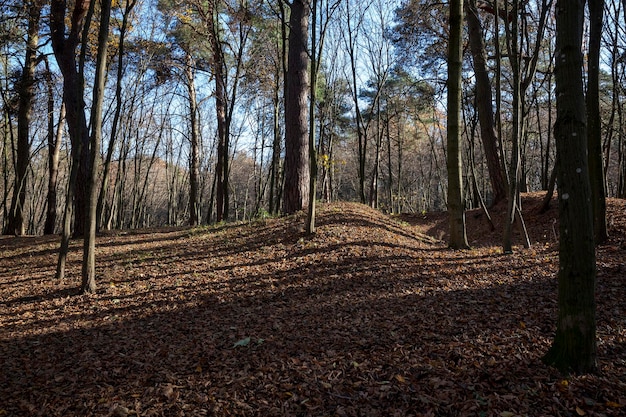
x=54 y=148
x=456 y=210
x=89 y=241
x=26 y=93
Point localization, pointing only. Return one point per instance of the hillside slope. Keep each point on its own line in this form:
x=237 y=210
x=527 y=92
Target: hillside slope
x=368 y=317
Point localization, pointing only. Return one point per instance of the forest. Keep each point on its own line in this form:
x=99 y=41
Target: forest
x=179 y=178
x=193 y=112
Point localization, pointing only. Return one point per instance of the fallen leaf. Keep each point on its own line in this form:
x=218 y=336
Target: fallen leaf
x=242 y=342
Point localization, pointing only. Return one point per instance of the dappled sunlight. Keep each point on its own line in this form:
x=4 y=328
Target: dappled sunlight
x=259 y=319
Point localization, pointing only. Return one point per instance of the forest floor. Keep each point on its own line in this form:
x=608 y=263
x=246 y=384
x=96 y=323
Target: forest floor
x=373 y=316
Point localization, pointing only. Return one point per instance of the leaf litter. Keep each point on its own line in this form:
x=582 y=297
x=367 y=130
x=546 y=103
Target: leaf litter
x=372 y=316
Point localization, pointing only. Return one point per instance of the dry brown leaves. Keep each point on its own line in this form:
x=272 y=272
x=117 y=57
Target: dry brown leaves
x=367 y=318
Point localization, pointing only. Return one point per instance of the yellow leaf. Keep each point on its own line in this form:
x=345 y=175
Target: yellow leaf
x=198 y=368
x=564 y=382
x=522 y=325
x=580 y=411
x=400 y=379
x=613 y=404
x=506 y=414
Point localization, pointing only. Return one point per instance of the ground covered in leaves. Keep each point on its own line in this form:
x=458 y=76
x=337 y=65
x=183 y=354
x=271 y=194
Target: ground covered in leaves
x=373 y=316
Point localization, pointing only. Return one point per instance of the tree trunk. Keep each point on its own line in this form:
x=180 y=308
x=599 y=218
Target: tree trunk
x=310 y=223
x=274 y=169
x=89 y=246
x=594 y=142
x=296 y=112
x=361 y=131
x=221 y=203
x=64 y=48
x=194 y=158
x=514 y=168
x=574 y=346
x=458 y=236
x=26 y=93
x=54 y=147
x=485 y=104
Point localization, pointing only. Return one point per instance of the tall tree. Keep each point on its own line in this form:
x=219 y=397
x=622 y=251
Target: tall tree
x=296 y=188
x=130 y=4
x=351 y=34
x=456 y=210
x=194 y=158
x=517 y=128
x=594 y=142
x=64 y=47
x=485 y=103
x=574 y=346
x=317 y=47
x=89 y=241
x=26 y=94
x=54 y=148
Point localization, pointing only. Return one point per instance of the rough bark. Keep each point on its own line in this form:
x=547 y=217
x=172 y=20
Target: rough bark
x=574 y=346
x=221 y=111
x=54 y=147
x=310 y=224
x=26 y=93
x=458 y=236
x=594 y=133
x=517 y=126
x=485 y=103
x=194 y=158
x=297 y=173
x=89 y=242
x=64 y=48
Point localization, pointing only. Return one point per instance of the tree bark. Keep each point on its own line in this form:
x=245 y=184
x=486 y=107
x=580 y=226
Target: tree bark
x=310 y=223
x=26 y=93
x=517 y=126
x=297 y=173
x=54 y=147
x=64 y=48
x=194 y=158
x=594 y=133
x=221 y=105
x=485 y=104
x=89 y=242
x=574 y=346
x=458 y=236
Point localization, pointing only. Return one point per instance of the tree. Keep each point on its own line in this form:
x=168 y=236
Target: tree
x=89 y=241
x=458 y=236
x=517 y=127
x=574 y=346
x=296 y=188
x=485 y=103
x=54 y=148
x=26 y=93
x=194 y=130
x=130 y=4
x=64 y=48
x=317 y=47
x=594 y=142
x=350 y=38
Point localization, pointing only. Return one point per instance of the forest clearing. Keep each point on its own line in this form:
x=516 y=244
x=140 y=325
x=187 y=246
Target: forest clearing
x=371 y=316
